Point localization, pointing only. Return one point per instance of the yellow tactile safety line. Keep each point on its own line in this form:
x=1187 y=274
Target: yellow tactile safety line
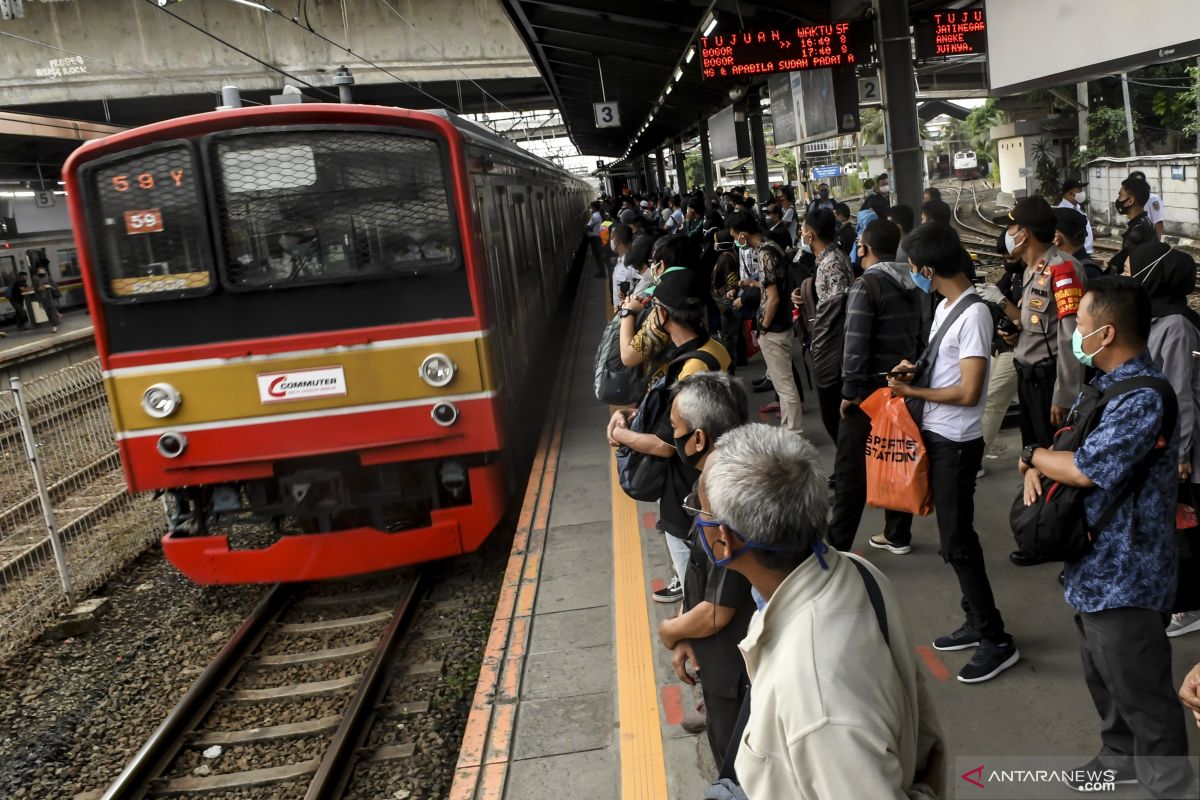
x=643 y=771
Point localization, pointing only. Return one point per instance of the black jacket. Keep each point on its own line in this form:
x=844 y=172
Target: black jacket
x=1137 y=232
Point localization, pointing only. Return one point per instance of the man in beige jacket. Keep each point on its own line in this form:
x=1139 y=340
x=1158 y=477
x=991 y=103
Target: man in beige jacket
x=836 y=711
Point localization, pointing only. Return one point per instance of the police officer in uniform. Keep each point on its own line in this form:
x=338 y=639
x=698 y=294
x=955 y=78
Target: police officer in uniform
x=1048 y=372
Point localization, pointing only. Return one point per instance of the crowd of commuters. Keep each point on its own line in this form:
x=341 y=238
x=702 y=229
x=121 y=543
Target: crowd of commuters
x=807 y=673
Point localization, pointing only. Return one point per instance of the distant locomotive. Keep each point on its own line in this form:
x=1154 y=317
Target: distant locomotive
x=969 y=166
x=320 y=316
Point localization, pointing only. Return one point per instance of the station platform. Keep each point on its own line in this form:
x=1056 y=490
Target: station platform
x=30 y=353
x=577 y=698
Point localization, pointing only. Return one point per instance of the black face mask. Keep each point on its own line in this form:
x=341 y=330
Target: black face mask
x=1122 y=208
x=681 y=450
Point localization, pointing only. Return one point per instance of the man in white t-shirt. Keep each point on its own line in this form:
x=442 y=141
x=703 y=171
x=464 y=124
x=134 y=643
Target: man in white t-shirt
x=950 y=390
x=1154 y=206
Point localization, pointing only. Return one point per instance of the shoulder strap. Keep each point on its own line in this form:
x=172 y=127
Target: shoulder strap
x=735 y=741
x=876 y=595
x=678 y=361
x=931 y=352
x=1141 y=471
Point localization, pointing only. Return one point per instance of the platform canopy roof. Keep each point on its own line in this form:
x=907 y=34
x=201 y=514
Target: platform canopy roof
x=636 y=48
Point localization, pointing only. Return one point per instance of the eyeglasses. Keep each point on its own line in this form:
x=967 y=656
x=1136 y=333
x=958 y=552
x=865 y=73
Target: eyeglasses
x=691 y=505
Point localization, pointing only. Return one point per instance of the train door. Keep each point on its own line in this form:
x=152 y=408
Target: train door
x=501 y=294
x=8 y=274
x=35 y=256
x=513 y=259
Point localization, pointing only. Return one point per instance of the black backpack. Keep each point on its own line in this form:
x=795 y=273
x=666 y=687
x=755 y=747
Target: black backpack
x=1055 y=527
x=644 y=476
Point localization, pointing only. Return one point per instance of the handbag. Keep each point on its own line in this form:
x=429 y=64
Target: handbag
x=38 y=312
x=1055 y=527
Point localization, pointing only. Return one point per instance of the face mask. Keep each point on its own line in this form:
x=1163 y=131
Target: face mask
x=681 y=450
x=1077 y=346
x=824 y=193
x=884 y=188
x=613 y=245
x=740 y=244
x=1122 y=208
x=1081 y=197
x=723 y=247
x=1011 y=243
x=923 y=283
x=805 y=247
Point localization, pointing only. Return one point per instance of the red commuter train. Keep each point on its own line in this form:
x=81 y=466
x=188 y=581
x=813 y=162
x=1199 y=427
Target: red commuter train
x=320 y=317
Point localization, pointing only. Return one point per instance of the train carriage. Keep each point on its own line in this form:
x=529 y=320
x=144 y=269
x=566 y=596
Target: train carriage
x=319 y=316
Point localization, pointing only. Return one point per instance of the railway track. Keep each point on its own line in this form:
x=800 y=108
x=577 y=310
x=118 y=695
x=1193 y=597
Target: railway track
x=286 y=707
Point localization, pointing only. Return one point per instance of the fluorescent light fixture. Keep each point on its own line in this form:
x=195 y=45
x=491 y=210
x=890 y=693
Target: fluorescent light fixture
x=691 y=53
x=669 y=88
x=678 y=73
x=711 y=25
x=253 y=4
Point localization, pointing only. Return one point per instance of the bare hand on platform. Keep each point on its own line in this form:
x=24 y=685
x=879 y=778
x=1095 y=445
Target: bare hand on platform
x=1058 y=415
x=619 y=420
x=680 y=656
x=1189 y=692
x=1033 y=486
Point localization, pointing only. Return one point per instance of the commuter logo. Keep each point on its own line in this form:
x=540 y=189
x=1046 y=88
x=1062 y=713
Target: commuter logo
x=978 y=776
x=301 y=384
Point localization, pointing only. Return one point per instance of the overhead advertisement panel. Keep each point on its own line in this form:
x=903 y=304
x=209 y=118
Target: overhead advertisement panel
x=836 y=44
x=728 y=136
x=1073 y=44
x=783 y=110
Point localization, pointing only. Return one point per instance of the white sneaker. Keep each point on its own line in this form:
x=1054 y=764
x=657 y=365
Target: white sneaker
x=881 y=542
x=1186 y=622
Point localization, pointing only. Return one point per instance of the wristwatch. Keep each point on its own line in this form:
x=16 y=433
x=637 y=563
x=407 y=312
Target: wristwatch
x=1027 y=454
x=625 y=312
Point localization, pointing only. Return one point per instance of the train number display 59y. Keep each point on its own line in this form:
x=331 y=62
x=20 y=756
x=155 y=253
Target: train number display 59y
x=314 y=322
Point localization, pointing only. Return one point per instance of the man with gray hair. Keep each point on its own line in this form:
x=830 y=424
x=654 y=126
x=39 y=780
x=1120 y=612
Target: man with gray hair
x=717 y=605
x=838 y=708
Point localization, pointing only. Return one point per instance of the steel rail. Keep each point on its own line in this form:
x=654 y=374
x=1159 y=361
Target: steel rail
x=164 y=743
x=334 y=771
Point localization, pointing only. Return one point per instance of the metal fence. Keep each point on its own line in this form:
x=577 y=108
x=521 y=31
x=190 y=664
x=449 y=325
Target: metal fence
x=67 y=523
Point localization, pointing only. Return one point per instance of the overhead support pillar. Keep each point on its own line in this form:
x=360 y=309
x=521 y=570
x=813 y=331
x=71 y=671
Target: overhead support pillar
x=647 y=175
x=900 y=101
x=680 y=170
x=707 y=163
x=661 y=166
x=758 y=145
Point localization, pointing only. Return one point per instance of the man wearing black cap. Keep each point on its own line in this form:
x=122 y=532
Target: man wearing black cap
x=1071 y=228
x=1074 y=196
x=680 y=310
x=1049 y=374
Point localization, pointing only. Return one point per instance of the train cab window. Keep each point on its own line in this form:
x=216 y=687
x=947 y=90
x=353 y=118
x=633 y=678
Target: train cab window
x=148 y=224
x=309 y=206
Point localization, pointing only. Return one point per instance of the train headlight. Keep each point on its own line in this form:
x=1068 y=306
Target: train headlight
x=438 y=370
x=161 y=400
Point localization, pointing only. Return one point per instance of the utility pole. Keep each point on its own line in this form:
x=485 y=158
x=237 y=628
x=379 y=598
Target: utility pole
x=1198 y=105
x=900 y=101
x=1128 y=113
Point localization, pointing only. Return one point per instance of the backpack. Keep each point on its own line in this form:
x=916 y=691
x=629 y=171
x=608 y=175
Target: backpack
x=826 y=329
x=644 y=476
x=1055 y=527
x=613 y=382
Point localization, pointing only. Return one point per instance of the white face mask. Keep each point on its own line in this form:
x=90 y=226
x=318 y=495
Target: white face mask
x=1081 y=197
x=884 y=188
x=1011 y=243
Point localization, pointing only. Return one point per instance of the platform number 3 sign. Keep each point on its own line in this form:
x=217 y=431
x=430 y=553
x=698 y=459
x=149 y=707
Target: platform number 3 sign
x=607 y=115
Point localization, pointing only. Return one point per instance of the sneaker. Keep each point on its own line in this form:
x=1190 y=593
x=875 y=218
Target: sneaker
x=1092 y=776
x=990 y=660
x=696 y=720
x=961 y=639
x=881 y=541
x=1186 y=622
x=769 y=408
x=671 y=593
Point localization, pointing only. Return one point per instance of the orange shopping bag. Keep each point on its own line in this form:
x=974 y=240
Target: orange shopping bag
x=897 y=464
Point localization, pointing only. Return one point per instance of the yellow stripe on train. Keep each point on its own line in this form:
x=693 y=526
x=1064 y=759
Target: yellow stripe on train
x=355 y=376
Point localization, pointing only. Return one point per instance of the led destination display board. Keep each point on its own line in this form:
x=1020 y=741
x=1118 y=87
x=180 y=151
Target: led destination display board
x=838 y=44
x=951 y=33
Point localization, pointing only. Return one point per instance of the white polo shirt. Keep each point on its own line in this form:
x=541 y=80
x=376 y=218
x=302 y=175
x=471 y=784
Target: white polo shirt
x=1087 y=242
x=969 y=337
x=1154 y=209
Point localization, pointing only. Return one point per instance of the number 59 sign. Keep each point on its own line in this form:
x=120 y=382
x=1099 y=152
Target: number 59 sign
x=146 y=220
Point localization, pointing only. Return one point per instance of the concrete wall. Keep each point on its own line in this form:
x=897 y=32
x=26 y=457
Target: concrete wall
x=1181 y=198
x=31 y=219
x=473 y=34
x=1013 y=158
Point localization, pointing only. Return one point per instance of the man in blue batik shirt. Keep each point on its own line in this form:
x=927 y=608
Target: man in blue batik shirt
x=1122 y=591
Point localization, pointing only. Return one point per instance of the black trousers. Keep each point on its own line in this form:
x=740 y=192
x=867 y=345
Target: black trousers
x=850 y=491
x=1035 y=392
x=952 y=469
x=720 y=719
x=1127 y=665
x=829 y=398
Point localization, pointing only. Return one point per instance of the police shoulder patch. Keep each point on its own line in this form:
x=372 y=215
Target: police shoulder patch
x=1068 y=289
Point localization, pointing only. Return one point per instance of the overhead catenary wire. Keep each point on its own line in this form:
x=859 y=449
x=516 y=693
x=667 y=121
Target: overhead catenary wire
x=237 y=49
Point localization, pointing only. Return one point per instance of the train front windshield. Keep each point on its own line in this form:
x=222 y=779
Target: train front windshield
x=274 y=231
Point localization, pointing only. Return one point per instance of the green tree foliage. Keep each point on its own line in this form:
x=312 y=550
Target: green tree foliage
x=978 y=125
x=1047 y=170
x=1106 y=132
